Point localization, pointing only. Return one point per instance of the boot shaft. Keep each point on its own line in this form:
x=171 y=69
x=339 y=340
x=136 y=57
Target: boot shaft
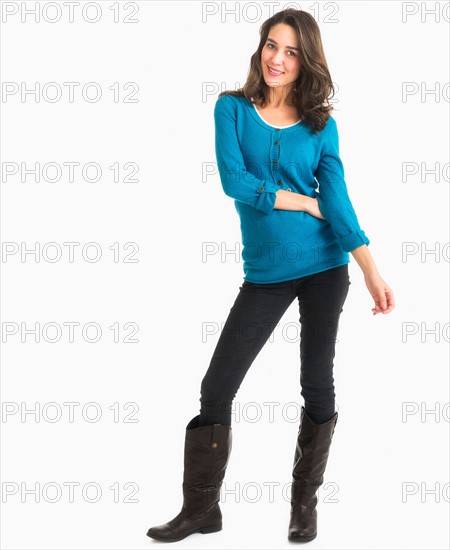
x=312 y=449
x=206 y=453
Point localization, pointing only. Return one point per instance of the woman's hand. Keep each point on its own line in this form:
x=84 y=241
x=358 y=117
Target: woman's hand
x=381 y=293
x=312 y=207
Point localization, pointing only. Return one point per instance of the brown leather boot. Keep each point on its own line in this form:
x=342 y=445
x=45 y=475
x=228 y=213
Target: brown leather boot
x=311 y=455
x=206 y=455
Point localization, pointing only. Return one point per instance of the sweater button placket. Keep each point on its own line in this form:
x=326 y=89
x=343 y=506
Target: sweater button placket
x=275 y=156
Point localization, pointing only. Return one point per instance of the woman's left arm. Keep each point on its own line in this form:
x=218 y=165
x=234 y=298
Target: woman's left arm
x=333 y=198
x=335 y=205
x=380 y=291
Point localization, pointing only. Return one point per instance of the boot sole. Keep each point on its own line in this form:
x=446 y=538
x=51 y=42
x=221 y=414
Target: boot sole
x=302 y=539
x=203 y=530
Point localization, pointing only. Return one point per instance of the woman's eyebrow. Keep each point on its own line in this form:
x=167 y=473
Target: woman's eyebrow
x=288 y=47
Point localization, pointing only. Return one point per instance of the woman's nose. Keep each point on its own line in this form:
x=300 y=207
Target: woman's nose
x=278 y=58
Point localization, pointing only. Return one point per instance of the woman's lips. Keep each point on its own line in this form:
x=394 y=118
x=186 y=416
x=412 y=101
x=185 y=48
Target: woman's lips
x=271 y=71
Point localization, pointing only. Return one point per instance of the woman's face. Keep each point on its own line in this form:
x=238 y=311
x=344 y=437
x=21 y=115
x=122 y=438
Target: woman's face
x=280 y=52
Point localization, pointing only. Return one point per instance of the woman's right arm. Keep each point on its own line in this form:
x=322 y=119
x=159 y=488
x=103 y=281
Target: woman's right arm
x=288 y=200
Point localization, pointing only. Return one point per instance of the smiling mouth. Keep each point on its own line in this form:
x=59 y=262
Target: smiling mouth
x=274 y=72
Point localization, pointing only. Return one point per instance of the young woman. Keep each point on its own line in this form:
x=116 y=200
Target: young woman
x=275 y=141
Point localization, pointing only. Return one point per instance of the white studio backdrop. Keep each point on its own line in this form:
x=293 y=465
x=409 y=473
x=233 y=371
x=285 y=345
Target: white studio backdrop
x=121 y=260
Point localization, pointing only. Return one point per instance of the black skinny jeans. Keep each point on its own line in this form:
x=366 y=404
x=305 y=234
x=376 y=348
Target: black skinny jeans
x=254 y=315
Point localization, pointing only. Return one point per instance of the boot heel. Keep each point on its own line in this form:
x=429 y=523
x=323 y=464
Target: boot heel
x=212 y=529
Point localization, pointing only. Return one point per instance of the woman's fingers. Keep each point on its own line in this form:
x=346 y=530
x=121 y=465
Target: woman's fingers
x=385 y=302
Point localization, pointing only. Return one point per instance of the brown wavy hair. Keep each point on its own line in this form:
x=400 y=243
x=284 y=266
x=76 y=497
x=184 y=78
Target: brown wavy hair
x=313 y=88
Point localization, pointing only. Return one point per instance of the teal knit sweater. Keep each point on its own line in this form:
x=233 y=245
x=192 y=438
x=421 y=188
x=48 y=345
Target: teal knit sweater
x=255 y=160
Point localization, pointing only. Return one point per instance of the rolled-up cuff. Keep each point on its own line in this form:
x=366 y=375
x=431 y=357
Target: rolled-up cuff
x=267 y=197
x=353 y=240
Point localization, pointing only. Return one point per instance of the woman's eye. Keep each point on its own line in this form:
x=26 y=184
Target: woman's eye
x=270 y=45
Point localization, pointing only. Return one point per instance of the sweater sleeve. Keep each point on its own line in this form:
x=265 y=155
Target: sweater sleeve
x=236 y=181
x=333 y=199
